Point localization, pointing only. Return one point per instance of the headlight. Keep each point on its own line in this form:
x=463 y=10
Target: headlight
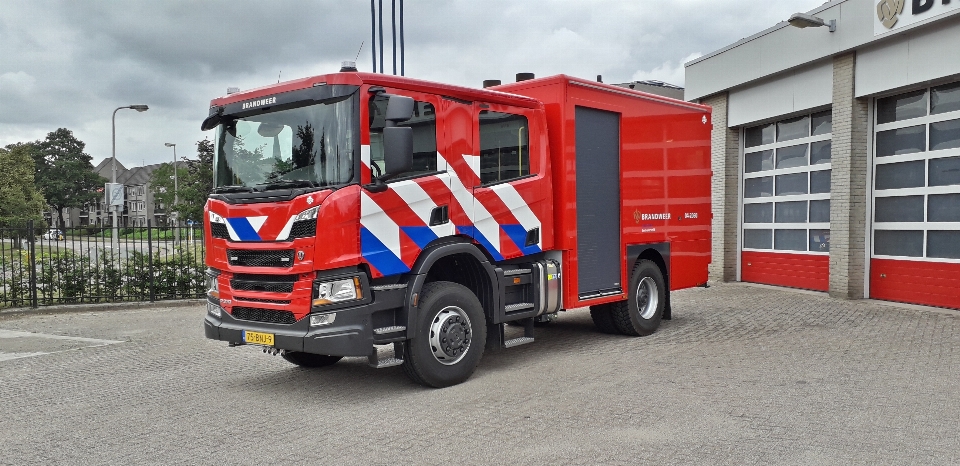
x=214 y=218
x=338 y=291
x=213 y=287
x=308 y=214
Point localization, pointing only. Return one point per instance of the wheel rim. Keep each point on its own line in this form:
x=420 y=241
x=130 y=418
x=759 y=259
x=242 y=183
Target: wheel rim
x=648 y=298
x=450 y=335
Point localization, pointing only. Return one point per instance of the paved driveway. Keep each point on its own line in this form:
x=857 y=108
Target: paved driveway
x=742 y=375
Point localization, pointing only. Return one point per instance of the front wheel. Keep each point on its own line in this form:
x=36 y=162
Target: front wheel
x=450 y=335
x=641 y=313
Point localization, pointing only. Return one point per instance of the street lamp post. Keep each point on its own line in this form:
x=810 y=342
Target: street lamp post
x=176 y=199
x=113 y=178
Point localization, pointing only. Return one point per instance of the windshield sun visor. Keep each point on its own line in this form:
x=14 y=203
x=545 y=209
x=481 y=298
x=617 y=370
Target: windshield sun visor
x=282 y=101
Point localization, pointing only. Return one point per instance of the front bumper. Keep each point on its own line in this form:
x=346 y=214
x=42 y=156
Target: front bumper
x=351 y=333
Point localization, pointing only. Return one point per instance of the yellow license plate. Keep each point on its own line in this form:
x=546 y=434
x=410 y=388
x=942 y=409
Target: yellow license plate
x=258 y=338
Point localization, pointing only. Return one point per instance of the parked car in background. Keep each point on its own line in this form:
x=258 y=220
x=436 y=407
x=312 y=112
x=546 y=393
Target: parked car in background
x=53 y=234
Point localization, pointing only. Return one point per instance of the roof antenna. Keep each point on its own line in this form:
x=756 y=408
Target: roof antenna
x=278 y=76
x=358 y=51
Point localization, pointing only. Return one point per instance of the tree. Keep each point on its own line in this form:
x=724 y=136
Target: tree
x=64 y=172
x=20 y=200
x=194 y=180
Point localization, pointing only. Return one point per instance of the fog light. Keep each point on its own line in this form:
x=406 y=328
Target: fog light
x=317 y=320
x=214 y=310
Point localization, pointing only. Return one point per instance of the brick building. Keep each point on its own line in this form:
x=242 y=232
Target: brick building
x=836 y=151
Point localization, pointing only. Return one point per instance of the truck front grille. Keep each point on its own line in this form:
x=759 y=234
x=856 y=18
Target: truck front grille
x=269 y=283
x=303 y=229
x=261 y=300
x=219 y=230
x=281 y=258
x=256 y=314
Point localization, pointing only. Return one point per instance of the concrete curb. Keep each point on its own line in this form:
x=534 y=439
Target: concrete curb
x=124 y=306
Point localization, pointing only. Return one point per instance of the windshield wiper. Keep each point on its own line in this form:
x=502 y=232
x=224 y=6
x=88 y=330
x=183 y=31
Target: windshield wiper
x=279 y=184
x=233 y=189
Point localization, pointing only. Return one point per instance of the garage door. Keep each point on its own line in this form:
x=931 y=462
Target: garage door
x=785 y=202
x=916 y=197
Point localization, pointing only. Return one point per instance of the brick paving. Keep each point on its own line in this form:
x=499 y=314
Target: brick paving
x=742 y=375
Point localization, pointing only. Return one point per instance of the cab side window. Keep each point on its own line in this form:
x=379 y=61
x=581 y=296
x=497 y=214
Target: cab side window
x=504 y=147
x=424 y=124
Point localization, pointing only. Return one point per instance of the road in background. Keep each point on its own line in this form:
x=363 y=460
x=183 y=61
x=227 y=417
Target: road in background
x=742 y=375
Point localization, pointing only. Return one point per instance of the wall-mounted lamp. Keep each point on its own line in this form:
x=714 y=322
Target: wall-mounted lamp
x=803 y=20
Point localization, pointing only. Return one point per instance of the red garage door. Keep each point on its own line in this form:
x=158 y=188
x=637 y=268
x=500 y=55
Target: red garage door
x=916 y=198
x=785 y=193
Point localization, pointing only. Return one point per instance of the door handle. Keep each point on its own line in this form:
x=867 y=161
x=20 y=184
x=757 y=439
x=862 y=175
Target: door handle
x=439 y=216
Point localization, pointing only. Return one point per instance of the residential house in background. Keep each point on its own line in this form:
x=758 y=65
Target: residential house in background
x=139 y=204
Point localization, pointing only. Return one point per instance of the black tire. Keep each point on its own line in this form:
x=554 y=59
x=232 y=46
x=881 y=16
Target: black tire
x=451 y=310
x=639 y=315
x=309 y=359
x=603 y=319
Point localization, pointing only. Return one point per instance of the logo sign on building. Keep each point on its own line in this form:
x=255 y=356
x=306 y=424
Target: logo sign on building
x=892 y=15
x=113 y=194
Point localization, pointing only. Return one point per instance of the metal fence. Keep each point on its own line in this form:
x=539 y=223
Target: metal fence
x=89 y=265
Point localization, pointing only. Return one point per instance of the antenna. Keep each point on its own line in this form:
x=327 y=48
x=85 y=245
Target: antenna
x=358 y=51
x=278 y=76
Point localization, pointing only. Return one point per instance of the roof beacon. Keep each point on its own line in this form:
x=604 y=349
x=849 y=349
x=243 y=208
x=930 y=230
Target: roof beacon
x=348 y=65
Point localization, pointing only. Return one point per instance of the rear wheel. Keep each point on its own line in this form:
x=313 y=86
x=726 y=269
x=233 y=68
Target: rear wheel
x=450 y=336
x=641 y=313
x=310 y=360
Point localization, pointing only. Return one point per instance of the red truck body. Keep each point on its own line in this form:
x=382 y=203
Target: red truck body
x=523 y=199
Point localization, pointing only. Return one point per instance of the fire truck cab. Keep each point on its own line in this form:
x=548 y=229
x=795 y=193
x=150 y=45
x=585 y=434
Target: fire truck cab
x=355 y=210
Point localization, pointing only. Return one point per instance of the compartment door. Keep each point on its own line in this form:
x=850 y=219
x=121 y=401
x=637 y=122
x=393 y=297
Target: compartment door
x=598 y=201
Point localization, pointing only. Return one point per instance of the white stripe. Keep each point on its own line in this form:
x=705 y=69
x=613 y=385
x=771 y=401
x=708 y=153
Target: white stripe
x=380 y=224
x=285 y=232
x=421 y=204
x=256 y=222
x=509 y=195
x=441 y=163
x=365 y=154
x=474 y=162
x=476 y=212
x=231 y=232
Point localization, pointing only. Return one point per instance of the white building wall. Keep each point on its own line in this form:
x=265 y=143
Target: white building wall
x=916 y=57
x=791 y=92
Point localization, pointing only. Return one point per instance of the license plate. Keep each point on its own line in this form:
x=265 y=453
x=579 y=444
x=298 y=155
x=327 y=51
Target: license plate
x=258 y=338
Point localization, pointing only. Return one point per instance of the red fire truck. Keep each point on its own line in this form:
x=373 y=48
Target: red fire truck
x=355 y=210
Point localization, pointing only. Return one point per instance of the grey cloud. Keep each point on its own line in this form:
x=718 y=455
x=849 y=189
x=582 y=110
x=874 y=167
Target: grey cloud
x=69 y=64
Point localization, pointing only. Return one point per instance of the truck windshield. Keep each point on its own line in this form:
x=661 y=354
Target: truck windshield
x=309 y=146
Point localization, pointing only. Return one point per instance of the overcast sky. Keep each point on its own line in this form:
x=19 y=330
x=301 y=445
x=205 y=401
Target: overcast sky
x=71 y=63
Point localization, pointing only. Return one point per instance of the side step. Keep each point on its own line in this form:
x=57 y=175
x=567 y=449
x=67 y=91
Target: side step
x=517 y=342
x=386 y=330
x=517 y=307
x=496 y=339
x=373 y=360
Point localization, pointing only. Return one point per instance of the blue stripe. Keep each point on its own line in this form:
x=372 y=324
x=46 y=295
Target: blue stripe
x=420 y=235
x=475 y=234
x=243 y=229
x=519 y=236
x=378 y=255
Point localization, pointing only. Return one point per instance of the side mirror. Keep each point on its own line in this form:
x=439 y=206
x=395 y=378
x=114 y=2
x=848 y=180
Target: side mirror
x=399 y=108
x=397 y=150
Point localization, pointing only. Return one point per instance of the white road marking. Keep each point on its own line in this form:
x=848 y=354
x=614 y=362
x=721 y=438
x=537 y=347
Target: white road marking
x=85 y=343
